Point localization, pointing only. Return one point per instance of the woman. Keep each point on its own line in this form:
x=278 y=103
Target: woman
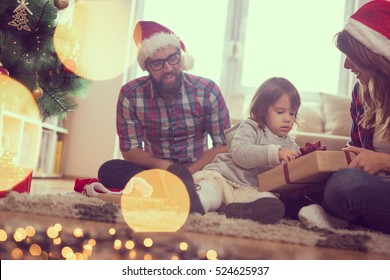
x=360 y=194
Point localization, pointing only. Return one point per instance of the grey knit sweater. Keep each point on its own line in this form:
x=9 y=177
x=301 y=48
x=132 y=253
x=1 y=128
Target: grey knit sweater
x=252 y=151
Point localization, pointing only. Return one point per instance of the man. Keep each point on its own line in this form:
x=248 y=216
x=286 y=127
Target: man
x=164 y=119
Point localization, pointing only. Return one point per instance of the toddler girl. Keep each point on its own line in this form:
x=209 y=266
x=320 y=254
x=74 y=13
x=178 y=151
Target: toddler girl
x=260 y=143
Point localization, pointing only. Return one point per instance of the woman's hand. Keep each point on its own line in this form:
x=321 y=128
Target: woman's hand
x=368 y=160
x=287 y=155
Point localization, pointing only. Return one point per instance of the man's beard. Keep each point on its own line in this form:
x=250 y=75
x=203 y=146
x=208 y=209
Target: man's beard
x=168 y=89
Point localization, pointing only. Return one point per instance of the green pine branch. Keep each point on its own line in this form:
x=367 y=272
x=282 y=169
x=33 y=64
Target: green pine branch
x=30 y=57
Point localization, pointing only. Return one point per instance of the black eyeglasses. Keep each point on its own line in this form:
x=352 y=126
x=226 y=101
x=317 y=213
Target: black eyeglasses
x=158 y=64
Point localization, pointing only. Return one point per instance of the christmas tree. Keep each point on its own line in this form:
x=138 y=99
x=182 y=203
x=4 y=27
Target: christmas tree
x=27 y=54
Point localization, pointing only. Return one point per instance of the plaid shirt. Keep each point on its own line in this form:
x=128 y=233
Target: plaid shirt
x=177 y=131
x=360 y=137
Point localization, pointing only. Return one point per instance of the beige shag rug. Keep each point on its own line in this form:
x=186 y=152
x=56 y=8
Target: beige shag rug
x=79 y=206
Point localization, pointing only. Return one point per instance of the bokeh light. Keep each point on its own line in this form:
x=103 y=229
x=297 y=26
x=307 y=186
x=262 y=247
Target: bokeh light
x=211 y=255
x=93 y=40
x=17 y=254
x=132 y=254
x=129 y=244
x=3 y=235
x=52 y=232
x=35 y=250
x=20 y=134
x=148 y=242
x=117 y=244
x=20 y=234
x=30 y=231
x=183 y=246
x=166 y=210
x=78 y=232
x=67 y=253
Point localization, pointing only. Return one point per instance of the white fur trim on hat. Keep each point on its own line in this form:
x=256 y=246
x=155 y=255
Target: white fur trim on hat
x=187 y=62
x=372 y=39
x=154 y=43
x=158 y=41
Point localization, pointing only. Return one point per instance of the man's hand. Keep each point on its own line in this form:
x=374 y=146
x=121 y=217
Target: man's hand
x=145 y=159
x=368 y=160
x=162 y=164
x=206 y=158
x=287 y=155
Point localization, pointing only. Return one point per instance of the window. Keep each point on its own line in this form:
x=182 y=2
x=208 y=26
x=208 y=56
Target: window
x=240 y=43
x=292 y=39
x=200 y=24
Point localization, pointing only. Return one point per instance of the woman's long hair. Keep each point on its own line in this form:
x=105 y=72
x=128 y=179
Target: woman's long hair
x=375 y=97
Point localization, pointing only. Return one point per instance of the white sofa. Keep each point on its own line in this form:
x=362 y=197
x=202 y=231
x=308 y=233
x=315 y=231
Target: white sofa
x=327 y=121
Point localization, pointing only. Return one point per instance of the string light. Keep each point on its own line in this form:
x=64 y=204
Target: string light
x=58 y=227
x=78 y=232
x=55 y=243
x=133 y=254
x=19 y=235
x=148 y=242
x=52 y=232
x=35 y=250
x=117 y=244
x=3 y=235
x=30 y=231
x=183 y=246
x=17 y=254
x=211 y=255
x=201 y=254
x=67 y=252
x=129 y=244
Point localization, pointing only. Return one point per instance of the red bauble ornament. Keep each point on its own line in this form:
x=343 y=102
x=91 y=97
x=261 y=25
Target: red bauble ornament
x=3 y=70
x=61 y=4
x=69 y=66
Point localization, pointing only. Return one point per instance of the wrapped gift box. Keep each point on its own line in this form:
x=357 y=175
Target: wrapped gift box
x=21 y=187
x=311 y=169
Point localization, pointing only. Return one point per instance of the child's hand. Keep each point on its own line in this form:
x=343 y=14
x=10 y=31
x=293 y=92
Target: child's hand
x=287 y=155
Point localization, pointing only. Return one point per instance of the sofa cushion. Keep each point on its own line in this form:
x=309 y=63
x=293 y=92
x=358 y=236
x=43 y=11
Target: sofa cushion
x=230 y=132
x=336 y=111
x=310 y=117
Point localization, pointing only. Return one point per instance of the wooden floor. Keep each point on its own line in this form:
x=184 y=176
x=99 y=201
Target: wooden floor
x=165 y=246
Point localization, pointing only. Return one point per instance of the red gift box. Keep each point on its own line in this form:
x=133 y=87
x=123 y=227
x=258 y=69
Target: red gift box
x=21 y=187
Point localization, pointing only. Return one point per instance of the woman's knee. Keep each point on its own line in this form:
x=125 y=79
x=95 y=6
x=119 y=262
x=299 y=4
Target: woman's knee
x=339 y=187
x=346 y=180
x=345 y=186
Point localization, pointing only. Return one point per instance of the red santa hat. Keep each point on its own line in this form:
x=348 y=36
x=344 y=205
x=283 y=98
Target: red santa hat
x=150 y=36
x=370 y=25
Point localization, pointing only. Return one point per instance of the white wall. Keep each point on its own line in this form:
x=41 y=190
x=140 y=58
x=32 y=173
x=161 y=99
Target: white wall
x=92 y=130
x=92 y=126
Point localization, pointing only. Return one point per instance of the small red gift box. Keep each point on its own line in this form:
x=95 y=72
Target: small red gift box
x=310 y=169
x=21 y=187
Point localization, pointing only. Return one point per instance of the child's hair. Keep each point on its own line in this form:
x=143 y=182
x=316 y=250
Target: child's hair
x=375 y=97
x=268 y=93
